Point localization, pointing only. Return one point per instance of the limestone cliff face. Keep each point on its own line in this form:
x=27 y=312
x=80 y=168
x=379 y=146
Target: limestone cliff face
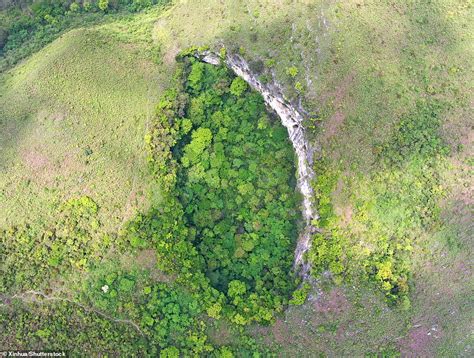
x=292 y=119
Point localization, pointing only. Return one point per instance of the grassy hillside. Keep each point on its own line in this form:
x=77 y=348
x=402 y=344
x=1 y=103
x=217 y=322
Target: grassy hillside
x=73 y=118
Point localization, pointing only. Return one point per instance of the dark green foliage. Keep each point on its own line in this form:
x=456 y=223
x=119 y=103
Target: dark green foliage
x=234 y=185
x=417 y=136
x=233 y=172
x=169 y=316
x=166 y=314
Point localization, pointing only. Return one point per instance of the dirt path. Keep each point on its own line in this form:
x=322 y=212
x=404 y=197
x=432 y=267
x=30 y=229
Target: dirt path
x=31 y=294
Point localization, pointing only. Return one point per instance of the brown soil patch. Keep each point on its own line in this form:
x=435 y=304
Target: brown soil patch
x=40 y=168
x=334 y=124
x=345 y=213
x=219 y=332
x=146 y=259
x=458 y=206
x=45 y=114
x=170 y=55
x=130 y=206
x=341 y=207
x=419 y=341
x=45 y=170
x=35 y=160
x=280 y=332
x=332 y=302
x=463 y=184
x=162 y=34
x=340 y=91
x=458 y=130
x=336 y=121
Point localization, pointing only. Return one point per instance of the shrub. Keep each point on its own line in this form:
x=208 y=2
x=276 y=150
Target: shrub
x=292 y=71
x=300 y=295
x=87 y=5
x=103 y=4
x=299 y=87
x=74 y=7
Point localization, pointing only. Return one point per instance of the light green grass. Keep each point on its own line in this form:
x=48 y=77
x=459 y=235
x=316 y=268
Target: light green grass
x=72 y=119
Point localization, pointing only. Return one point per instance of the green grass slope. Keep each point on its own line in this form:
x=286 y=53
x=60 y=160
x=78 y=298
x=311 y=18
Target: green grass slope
x=72 y=122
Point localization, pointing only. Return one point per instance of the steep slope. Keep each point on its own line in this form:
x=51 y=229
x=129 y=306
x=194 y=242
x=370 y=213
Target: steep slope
x=72 y=122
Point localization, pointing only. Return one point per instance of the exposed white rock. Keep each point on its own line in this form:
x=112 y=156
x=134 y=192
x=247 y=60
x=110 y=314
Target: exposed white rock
x=292 y=119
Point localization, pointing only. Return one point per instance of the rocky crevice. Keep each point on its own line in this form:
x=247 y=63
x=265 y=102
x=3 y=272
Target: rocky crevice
x=292 y=120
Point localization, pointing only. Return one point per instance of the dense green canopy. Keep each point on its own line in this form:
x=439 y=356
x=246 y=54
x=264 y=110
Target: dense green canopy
x=231 y=177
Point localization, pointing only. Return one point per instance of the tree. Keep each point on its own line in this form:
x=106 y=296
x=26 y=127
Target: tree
x=201 y=139
x=238 y=87
x=195 y=76
x=236 y=288
x=170 y=352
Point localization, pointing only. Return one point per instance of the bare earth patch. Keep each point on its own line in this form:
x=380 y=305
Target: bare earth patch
x=420 y=340
x=44 y=170
x=336 y=121
x=280 y=332
x=342 y=207
x=35 y=160
x=162 y=34
x=332 y=302
x=146 y=259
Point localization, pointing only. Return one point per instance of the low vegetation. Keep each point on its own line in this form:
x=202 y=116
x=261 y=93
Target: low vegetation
x=87 y=138
x=31 y=253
